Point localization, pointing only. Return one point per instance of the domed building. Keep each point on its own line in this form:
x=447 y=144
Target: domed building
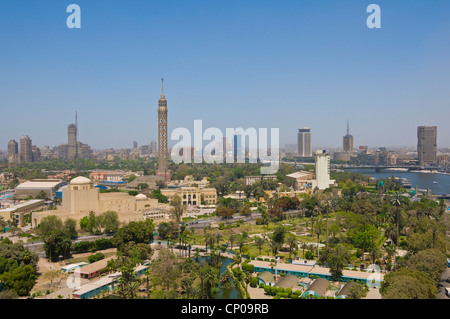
x=81 y=197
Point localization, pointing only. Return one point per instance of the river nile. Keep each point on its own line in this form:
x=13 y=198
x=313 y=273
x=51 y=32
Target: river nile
x=422 y=180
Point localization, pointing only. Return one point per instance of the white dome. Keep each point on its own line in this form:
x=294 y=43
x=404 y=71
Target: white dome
x=80 y=180
x=141 y=196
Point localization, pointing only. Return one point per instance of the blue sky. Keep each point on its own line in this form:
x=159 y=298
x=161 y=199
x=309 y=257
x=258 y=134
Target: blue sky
x=236 y=63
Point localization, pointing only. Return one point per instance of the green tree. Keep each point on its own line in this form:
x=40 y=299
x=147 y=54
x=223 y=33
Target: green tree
x=337 y=259
x=110 y=221
x=21 y=280
x=165 y=268
x=177 y=208
x=420 y=285
x=42 y=195
x=259 y=242
x=356 y=291
x=159 y=196
x=430 y=261
x=70 y=228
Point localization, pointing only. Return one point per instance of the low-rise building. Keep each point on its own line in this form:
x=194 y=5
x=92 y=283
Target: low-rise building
x=250 y=180
x=108 y=283
x=192 y=196
x=92 y=270
x=72 y=267
x=317 y=272
x=17 y=212
x=301 y=180
x=35 y=186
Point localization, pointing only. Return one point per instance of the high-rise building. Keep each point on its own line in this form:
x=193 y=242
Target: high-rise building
x=304 y=142
x=348 y=141
x=153 y=148
x=163 y=170
x=36 y=153
x=135 y=145
x=238 y=152
x=13 y=152
x=427 y=144
x=25 y=149
x=322 y=180
x=72 y=145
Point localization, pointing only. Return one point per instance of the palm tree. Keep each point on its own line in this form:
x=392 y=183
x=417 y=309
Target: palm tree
x=247 y=278
x=240 y=242
x=327 y=207
x=147 y=274
x=237 y=259
x=232 y=239
x=27 y=256
x=397 y=202
x=197 y=254
x=391 y=233
x=391 y=250
x=259 y=241
x=318 y=228
x=292 y=242
x=304 y=246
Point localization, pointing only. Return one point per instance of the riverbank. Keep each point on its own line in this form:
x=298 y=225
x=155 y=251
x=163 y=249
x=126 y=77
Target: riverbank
x=437 y=183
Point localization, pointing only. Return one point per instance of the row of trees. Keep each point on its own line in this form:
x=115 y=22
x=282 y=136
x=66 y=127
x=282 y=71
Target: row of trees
x=17 y=269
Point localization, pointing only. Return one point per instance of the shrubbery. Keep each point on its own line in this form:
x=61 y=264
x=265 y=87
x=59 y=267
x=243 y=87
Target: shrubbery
x=96 y=257
x=86 y=246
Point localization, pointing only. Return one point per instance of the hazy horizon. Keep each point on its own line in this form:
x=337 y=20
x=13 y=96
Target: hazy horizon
x=245 y=64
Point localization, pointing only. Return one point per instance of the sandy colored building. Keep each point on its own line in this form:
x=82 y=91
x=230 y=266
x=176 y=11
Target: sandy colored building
x=189 y=181
x=80 y=197
x=192 y=196
x=17 y=212
x=302 y=179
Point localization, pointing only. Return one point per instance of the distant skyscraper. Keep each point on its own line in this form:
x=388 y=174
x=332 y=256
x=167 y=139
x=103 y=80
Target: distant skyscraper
x=13 y=152
x=304 y=142
x=72 y=144
x=163 y=170
x=427 y=144
x=36 y=153
x=238 y=152
x=135 y=145
x=348 y=141
x=25 y=149
x=153 y=148
x=224 y=148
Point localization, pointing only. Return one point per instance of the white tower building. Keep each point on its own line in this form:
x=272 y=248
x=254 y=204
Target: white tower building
x=322 y=180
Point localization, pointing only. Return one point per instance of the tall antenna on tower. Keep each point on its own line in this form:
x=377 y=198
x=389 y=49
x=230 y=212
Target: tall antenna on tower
x=348 y=128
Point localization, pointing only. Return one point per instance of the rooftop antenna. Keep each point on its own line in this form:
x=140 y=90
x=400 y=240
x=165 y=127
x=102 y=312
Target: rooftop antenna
x=348 y=129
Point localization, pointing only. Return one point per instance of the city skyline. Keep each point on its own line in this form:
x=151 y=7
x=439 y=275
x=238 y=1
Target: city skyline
x=236 y=65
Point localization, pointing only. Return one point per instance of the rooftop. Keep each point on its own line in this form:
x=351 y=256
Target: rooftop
x=21 y=205
x=320 y=286
x=98 y=265
x=289 y=281
x=39 y=184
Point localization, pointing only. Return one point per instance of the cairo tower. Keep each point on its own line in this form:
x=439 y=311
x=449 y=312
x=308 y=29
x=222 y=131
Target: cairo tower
x=163 y=171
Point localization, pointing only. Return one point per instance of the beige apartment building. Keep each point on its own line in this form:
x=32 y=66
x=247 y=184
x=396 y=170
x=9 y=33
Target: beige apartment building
x=192 y=196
